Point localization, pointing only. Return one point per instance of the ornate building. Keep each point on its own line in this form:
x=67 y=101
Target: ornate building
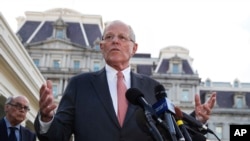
x=64 y=42
x=18 y=74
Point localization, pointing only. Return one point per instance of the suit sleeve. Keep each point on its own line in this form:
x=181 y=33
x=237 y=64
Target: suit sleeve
x=62 y=126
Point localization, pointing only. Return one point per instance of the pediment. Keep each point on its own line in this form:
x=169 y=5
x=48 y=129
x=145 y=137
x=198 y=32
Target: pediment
x=55 y=45
x=62 y=11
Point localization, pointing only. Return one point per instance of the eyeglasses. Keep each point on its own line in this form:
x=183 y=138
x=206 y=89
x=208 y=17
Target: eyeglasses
x=120 y=37
x=20 y=107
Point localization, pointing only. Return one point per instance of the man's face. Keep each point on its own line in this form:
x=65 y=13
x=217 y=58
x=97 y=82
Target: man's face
x=117 y=46
x=16 y=110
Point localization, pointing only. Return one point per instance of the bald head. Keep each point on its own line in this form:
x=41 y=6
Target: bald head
x=16 y=108
x=16 y=98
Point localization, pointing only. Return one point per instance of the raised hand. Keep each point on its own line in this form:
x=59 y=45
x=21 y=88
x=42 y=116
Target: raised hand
x=203 y=111
x=46 y=102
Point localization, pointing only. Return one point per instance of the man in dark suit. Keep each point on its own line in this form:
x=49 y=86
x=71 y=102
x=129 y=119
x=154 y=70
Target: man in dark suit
x=16 y=109
x=89 y=108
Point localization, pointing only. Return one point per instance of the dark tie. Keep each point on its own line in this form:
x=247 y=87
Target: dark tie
x=122 y=101
x=12 y=136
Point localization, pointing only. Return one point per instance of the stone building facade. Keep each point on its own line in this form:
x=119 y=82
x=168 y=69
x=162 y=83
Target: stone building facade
x=64 y=42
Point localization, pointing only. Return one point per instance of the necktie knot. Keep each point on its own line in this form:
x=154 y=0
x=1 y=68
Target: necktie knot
x=119 y=74
x=13 y=128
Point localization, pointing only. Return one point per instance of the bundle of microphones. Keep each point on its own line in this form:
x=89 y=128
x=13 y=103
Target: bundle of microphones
x=164 y=121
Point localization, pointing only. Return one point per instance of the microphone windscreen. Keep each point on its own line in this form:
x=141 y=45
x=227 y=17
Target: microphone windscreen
x=132 y=95
x=160 y=92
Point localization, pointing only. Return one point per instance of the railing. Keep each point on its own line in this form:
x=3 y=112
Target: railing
x=62 y=70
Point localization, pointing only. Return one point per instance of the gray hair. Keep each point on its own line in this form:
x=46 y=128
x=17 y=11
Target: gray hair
x=131 y=31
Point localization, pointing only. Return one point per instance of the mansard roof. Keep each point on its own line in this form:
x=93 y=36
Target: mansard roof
x=81 y=29
x=224 y=99
x=164 y=67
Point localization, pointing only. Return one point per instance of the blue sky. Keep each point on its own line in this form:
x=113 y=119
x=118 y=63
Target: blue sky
x=216 y=32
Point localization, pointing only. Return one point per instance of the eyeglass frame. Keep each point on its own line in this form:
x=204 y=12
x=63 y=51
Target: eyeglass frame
x=20 y=107
x=120 y=37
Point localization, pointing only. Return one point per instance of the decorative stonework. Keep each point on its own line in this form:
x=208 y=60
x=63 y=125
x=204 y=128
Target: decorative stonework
x=62 y=11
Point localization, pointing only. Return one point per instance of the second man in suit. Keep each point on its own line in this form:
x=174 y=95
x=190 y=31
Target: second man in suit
x=15 y=108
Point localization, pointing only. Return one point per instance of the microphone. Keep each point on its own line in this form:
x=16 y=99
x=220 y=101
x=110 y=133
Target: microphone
x=181 y=124
x=164 y=106
x=179 y=134
x=145 y=127
x=192 y=121
x=199 y=137
x=142 y=121
x=135 y=97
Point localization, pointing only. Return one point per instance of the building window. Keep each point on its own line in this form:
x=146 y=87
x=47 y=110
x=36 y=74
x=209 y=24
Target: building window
x=56 y=64
x=55 y=90
x=236 y=84
x=218 y=131
x=208 y=83
x=175 y=68
x=207 y=96
x=59 y=34
x=59 y=29
x=239 y=101
x=76 y=64
x=96 y=66
x=36 y=62
x=185 y=95
x=97 y=47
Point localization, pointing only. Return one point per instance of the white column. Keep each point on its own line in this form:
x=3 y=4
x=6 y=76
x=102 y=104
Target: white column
x=60 y=86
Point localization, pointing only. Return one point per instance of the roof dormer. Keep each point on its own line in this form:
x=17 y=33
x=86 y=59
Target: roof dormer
x=59 y=29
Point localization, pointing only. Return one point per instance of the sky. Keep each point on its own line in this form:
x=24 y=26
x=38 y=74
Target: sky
x=216 y=32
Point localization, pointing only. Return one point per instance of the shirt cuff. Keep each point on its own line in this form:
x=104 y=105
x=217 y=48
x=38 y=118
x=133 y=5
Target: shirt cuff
x=44 y=126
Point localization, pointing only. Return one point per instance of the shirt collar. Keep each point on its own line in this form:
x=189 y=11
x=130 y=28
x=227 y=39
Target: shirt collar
x=8 y=124
x=112 y=72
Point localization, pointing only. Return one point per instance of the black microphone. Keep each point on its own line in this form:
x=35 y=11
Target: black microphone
x=194 y=122
x=181 y=124
x=145 y=127
x=135 y=97
x=179 y=134
x=142 y=121
x=199 y=137
x=166 y=105
x=161 y=95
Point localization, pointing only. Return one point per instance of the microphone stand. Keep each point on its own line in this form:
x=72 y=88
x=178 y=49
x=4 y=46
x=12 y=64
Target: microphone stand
x=170 y=123
x=179 y=134
x=184 y=130
x=153 y=129
x=201 y=134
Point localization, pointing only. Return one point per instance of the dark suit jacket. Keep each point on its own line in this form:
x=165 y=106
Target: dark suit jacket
x=86 y=110
x=25 y=134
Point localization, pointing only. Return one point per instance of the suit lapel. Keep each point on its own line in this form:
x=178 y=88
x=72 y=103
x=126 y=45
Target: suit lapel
x=136 y=82
x=3 y=130
x=100 y=83
x=23 y=135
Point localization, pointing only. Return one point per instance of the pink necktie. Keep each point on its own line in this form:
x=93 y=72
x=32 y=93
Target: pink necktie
x=122 y=101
